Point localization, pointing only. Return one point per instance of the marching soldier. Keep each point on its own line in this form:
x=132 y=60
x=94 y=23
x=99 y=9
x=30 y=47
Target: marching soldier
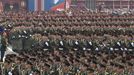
x=3 y=42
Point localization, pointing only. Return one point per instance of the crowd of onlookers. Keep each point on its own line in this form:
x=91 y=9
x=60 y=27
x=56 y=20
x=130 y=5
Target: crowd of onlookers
x=79 y=42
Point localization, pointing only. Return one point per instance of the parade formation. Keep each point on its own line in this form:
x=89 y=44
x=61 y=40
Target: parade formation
x=83 y=43
x=74 y=41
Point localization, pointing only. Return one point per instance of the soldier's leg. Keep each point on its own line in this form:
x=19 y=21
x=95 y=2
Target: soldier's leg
x=2 y=55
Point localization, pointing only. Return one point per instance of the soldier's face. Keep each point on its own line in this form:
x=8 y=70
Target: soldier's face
x=4 y=34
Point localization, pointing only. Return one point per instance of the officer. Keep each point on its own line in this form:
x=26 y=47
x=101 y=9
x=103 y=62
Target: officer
x=3 y=42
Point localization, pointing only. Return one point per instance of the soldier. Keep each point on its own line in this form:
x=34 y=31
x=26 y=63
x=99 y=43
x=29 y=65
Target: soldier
x=47 y=45
x=3 y=42
x=62 y=45
x=90 y=45
x=76 y=45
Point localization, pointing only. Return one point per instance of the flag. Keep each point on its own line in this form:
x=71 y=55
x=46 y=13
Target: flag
x=36 y=5
x=56 y=1
x=59 y=5
x=54 y=5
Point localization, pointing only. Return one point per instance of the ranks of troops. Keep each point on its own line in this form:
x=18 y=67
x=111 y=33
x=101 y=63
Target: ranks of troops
x=84 y=43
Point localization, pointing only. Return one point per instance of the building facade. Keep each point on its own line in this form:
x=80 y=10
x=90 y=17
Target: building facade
x=14 y=5
x=109 y=4
x=116 y=4
x=90 y=4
